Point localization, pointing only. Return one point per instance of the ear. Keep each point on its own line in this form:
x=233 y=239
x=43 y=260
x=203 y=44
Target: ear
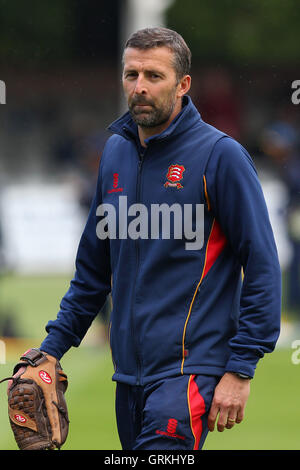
x=184 y=85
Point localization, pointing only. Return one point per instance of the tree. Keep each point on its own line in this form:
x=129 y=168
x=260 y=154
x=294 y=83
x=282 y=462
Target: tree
x=257 y=32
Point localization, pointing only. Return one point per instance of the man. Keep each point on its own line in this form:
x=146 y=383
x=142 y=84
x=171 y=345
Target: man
x=186 y=332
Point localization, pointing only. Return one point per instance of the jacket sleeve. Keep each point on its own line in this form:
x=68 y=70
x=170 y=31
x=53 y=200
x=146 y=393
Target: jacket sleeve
x=238 y=203
x=87 y=292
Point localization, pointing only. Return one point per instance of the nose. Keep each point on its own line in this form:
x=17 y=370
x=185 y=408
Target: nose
x=140 y=86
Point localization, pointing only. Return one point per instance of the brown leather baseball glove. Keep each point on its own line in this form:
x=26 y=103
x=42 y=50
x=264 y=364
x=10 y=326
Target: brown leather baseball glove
x=36 y=404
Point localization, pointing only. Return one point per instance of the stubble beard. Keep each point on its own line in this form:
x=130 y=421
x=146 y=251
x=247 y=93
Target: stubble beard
x=154 y=117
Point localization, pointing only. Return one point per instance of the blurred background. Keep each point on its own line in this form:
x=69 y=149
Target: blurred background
x=60 y=63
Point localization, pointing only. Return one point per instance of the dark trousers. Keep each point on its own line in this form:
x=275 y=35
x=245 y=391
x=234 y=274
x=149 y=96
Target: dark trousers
x=169 y=414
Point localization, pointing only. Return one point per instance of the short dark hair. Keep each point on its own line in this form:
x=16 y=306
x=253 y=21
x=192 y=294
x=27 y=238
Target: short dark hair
x=149 y=38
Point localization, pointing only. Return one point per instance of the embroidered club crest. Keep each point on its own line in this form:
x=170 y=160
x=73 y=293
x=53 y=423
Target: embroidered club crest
x=174 y=175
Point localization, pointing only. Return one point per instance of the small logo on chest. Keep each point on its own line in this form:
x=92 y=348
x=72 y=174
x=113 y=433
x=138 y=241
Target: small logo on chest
x=174 y=175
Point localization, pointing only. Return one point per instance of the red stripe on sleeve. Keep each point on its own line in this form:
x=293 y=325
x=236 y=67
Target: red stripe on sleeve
x=215 y=246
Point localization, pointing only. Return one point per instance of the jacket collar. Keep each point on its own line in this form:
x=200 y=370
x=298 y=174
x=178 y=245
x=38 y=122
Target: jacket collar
x=188 y=116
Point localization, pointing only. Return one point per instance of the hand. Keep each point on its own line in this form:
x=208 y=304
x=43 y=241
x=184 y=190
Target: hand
x=229 y=401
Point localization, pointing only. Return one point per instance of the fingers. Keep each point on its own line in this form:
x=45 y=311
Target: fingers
x=234 y=418
x=231 y=420
x=228 y=403
x=211 y=420
x=224 y=418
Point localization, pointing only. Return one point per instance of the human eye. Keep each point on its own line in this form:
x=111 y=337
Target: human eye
x=155 y=76
x=130 y=74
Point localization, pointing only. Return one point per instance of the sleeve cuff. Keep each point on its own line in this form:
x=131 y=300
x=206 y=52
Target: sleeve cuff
x=56 y=344
x=241 y=367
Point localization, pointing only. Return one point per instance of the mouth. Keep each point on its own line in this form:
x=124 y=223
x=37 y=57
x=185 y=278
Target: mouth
x=142 y=105
x=140 y=102
x=141 y=108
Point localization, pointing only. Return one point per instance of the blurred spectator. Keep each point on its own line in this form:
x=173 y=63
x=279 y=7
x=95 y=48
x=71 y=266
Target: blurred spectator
x=67 y=148
x=280 y=142
x=218 y=102
x=88 y=162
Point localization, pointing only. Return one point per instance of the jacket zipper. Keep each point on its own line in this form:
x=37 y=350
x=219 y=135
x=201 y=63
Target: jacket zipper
x=137 y=252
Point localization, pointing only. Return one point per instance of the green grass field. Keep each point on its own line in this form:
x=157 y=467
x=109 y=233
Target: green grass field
x=272 y=413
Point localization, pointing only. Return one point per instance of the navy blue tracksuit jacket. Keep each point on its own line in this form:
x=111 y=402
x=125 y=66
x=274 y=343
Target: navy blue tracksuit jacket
x=203 y=310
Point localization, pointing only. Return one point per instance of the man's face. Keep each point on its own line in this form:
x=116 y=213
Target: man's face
x=150 y=85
